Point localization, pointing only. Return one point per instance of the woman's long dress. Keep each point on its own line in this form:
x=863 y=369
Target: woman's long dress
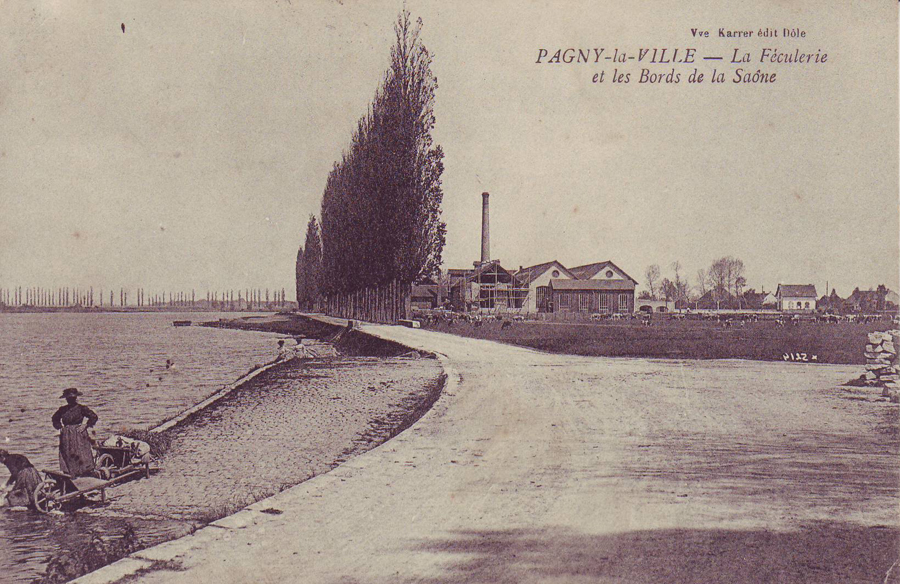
x=76 y=457
x=22 y=493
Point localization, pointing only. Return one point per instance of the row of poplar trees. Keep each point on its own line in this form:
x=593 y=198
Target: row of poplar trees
x=381 y=209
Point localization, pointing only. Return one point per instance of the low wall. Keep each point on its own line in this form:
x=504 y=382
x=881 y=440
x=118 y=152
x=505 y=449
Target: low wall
x=881 y=361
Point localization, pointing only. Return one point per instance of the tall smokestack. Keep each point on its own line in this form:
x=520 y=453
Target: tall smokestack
x=485 y=229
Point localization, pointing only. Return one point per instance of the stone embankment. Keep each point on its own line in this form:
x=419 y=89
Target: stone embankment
x=881 y=362
x=277 y=427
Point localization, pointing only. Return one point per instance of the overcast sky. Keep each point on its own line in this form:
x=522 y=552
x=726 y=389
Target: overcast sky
x=189 y=150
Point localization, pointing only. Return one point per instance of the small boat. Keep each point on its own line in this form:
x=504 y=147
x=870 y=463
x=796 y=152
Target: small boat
x=182 y=323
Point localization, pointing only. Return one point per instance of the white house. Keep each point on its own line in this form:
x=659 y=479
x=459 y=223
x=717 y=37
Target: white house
x=796 y=297
x=537 y=280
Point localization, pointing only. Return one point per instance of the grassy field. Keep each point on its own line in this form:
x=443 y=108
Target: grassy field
x=687 y=339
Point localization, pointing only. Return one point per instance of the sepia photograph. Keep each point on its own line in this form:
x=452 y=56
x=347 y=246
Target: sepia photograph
x=410 y=291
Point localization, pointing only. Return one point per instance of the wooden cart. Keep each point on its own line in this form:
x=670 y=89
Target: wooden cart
x=57 y=489
x=114 y=461
x=114 y=464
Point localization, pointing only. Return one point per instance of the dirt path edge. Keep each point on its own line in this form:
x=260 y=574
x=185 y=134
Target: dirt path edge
x=165 y=556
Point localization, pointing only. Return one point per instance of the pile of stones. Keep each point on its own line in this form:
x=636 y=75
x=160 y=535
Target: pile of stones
x=881 y=361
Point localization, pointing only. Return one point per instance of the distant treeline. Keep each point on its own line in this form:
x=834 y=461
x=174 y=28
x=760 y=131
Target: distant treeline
x=381 y=209
x=84 y=297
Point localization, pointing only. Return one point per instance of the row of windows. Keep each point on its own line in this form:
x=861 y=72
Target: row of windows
x=585 y=302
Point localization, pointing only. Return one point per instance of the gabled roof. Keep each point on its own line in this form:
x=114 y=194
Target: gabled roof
x=796 y=291
x=588 y=271
x=469 y=275
x=532 y=273
x=489 y=266
x=591 y=285
x=423 y=290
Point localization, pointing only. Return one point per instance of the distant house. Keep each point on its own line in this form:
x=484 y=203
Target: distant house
x=868 y=301
x=769 y=301
x=424 y=295
x=796 y=297
x=717 y=299
x=537 y=281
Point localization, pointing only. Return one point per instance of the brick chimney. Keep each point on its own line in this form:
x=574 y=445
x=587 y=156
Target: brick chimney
x=485 y=229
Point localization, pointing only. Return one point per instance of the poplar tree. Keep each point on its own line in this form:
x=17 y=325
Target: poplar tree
x=298 y=274
x=309 y=265
x=382 y=202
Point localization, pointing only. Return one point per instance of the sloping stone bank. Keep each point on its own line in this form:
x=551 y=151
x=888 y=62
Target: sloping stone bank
x=287 y=424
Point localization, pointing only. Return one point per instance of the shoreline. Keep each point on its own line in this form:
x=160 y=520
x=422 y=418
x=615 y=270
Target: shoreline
x=373 y=429
x=524 y=465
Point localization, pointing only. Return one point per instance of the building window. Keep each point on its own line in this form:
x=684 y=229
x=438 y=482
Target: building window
x=556 y=273
x=543 y=298
x=807 y=305
x=609 y=273
x=604 y=302
x=623 y=302
x=563 y=300
x=584 y=302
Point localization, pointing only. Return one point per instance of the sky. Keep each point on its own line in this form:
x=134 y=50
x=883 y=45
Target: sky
x=188 y=151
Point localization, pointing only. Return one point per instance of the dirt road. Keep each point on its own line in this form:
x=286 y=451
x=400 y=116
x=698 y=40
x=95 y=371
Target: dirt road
x=549 y=468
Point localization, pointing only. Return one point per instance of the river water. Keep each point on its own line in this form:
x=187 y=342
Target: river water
x=118 y=360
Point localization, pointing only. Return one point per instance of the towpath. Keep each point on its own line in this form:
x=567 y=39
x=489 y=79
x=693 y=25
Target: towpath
x=549 y=468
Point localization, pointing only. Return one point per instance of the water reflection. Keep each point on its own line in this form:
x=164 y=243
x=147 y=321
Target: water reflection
x=119 y=361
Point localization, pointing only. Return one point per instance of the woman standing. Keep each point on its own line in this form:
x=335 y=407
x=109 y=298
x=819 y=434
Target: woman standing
x=76 y=458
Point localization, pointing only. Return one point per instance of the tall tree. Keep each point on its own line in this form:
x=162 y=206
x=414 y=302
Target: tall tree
x=702 y=282
x=680 y=284
x=310 y=265
x=651 y=275
x=382 y=202
x=667 y=290
x=299 y=271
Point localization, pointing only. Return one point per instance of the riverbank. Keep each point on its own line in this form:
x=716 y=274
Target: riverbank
x=290 y=423
x=534 y=467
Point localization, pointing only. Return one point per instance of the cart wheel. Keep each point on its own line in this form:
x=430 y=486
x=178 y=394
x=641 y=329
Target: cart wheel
x=45 y=496
x=105 y=466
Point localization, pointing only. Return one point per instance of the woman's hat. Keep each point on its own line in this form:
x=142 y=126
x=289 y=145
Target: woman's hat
x=70 y=392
